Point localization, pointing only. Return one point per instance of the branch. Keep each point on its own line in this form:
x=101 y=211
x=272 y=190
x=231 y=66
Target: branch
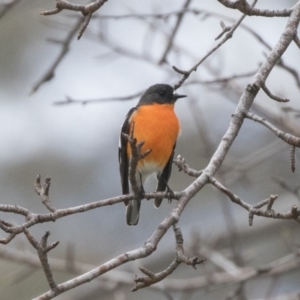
x=86 y=10
x=224 y=80
x=64 y=50
x=244 y=7
x=286 y=137
x=152 y=278
x=182 y=166
x=144 y=251
x=33 y=218
x=70 y=100
x=292 y=158
x=42 y=250
x=284 y=264
x=228 y=35
x=232 y=275
x=43 y=192
x=136 y=156
x=216 y=161
x=176 y=27
x=108 y=281
x=297 y=41
x=193 y=261
x=293 y=214
x=276 y=98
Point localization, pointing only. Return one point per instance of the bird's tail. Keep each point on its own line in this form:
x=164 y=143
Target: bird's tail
x=133 y=212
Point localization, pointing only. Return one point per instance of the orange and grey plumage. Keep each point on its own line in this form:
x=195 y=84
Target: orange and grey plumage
x=155 y=123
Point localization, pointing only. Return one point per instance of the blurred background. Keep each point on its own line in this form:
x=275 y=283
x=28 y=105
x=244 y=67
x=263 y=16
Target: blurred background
x=77 y=144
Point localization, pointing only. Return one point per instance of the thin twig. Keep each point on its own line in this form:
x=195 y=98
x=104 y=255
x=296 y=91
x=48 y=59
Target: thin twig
x=43 y=192
x=182 y=166
x=86 y=10
x=70 y=100
x=286 y=137
x=227 y=36
x=172 y=36
x=42 y=250
x=274 y=97
x=152 y=278
x=292 y=158
x=247 y=9
x=33 y=218
x=65 y=44
x=293 y=214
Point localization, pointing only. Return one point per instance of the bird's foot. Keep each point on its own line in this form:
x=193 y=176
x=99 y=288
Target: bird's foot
x=170 y=194
x=141 y=192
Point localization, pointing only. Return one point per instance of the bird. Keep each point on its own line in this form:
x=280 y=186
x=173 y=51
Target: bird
x=156 y=124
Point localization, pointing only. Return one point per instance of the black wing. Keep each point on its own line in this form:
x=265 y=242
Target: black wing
x=163 y=178
x=123 y=157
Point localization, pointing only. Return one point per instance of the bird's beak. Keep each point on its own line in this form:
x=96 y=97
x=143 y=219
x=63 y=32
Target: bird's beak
x=176 y=96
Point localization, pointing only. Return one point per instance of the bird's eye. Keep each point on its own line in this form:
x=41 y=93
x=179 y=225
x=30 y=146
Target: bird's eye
x=161 y=92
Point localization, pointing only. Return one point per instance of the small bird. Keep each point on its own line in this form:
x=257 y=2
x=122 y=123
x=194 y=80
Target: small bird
x=155 y=123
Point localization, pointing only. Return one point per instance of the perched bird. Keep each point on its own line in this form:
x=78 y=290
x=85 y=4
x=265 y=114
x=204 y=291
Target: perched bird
x=155 y=123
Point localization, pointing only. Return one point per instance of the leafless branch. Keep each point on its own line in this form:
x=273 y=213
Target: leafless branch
x=231 y=275
x=65 y=44
x=203 y=177
x=297 y=41
x=244 y=104
x=43 y=192
x=33 y=218
x=276 y=98
x=228 y=35
x=136 y=156
x=247 y=9
x=286 y=137
x=221 y=80
x=152 y=278
x=182 y=166
x=42 y=250
x=86 y=10
x=292 y=158
x=172 y=36
x=293 y=214
x=70 y=100
x=10 y=237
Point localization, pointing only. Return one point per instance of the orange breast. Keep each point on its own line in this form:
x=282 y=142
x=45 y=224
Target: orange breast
x=158 y=126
